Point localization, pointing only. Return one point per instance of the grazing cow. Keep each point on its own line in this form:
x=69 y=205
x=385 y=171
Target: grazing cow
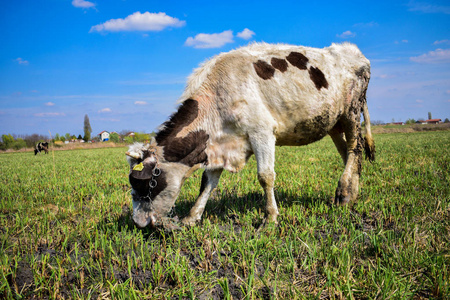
x=41 y=147
x=246 y=102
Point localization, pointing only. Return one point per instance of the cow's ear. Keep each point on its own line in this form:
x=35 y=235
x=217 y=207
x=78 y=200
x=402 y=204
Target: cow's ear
x=143 y=170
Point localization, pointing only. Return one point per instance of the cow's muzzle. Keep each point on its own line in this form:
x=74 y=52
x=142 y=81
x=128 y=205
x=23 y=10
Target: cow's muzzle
x=142 y=220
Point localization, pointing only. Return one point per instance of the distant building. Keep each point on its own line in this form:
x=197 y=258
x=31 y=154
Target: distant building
x=104 y=136
x=430 y=121
x=433 y=121
x=398 y=123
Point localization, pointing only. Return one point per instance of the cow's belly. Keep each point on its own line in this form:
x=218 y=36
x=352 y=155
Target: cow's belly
x=303 y=133
x=307 y=127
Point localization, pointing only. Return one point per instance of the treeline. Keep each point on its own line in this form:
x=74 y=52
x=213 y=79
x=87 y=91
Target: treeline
x=22 y=141
x=17 y=142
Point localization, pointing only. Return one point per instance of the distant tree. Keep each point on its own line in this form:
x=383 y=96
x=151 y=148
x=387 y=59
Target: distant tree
x=141 y=137
x=19 y=144
x=74 y=137
x=87 y=129
x=429 y=116
x=410 y=121
x=57 y=137
x=67 y=136
x=7 y=141
x=79 y=137
x=446 y=120
x=128 y=139
x=114 y=137
x=124 y=132
x=62 y=139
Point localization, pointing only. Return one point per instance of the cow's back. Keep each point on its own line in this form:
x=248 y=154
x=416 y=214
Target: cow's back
x=299 y=93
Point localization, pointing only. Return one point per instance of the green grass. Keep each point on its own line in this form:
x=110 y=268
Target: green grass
x=66 y=232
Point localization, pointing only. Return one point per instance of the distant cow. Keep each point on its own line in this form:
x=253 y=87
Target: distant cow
x=246 y=102
x=41 y=147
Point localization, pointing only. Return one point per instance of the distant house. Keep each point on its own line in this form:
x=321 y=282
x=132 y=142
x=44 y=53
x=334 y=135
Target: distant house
x=104 y=136
x=430 y=121
x=398 y=123
x=433 y=121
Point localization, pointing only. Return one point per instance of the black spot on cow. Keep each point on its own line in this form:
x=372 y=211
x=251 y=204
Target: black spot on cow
x=263 y=69
x=297 y=60
x=318 y=78
x=279 y=64
x=188 y=150
x=140 y=180
x=185 y=115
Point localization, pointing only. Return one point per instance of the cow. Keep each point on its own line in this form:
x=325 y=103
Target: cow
x=246 y=102
x=41 y=146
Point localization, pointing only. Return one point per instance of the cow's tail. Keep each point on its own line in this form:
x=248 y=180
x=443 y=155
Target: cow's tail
x=369 y=144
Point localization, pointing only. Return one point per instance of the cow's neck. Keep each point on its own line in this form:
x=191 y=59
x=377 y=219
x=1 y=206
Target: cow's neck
x=181 y=141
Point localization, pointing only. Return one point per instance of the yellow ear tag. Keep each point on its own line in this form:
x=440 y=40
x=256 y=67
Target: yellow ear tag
x=138 y=167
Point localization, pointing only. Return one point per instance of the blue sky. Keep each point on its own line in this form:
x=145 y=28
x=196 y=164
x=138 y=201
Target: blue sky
x=124 y=63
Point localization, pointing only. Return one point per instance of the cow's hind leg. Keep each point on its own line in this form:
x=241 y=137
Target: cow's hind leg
x=264 y=150
x=210 y=179
x=347 y=190
x=337 y=135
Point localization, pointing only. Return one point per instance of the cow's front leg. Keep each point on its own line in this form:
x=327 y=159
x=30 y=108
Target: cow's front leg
x=210 y=179
x=347 y=190
x=264 y=150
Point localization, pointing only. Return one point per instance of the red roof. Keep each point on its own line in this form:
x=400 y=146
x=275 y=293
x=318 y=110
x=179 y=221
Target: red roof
x=433 y=120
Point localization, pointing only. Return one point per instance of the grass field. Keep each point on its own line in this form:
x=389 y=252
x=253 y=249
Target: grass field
x=66 y=232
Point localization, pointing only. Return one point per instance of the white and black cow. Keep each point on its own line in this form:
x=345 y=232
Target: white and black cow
x=41 y=146
x=246 y=102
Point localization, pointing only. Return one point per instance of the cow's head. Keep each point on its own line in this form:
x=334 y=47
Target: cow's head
x=155 y=183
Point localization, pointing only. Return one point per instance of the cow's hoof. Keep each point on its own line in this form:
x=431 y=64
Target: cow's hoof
x=341 y=200
x=188 y=221
x=272 y=219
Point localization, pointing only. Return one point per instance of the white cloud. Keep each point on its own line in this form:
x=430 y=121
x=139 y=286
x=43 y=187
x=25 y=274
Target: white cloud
x=105 y=110
x=246 y=34
x=428 y=8
x=82 y=4
x=441 y=42
x=346 y=34
x=50 y=114
x=433 y=57
x=139 y=22
x=140 y=102
x=49 y=104
x=22 y=61
x=214 y=40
